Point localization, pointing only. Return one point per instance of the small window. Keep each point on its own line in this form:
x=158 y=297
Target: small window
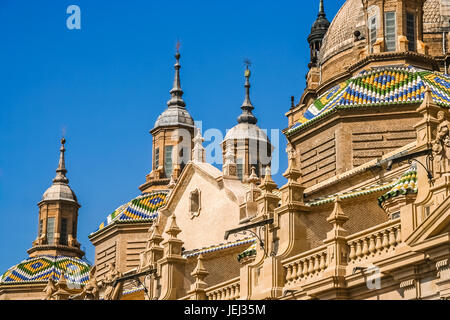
x=372 y=31
x=411 y=31
x=395 y=215
x=156 y=161
x=168 y=167
x=390 y=35
x=50 y=230
x=63 y=236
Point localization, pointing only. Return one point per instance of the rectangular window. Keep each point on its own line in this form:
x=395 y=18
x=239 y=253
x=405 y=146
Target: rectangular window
x=411 y=31
x=156 y=160
x=50 y=230
x=74 y=228
x=168 y=167
x=41 y=227
x=389 y=31
x=372 y=31
x=240 y=167
x=63 y=237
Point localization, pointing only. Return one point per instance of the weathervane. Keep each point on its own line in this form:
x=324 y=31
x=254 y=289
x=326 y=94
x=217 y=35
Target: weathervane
x=247 y=62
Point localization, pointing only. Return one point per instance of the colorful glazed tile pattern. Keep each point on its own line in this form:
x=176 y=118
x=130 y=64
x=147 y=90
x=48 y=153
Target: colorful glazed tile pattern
x=406 y=184
x=381 y=86
x=250 y=251
x=218 y=247
x=353 y=193
x=41 y=268
x=144 y=207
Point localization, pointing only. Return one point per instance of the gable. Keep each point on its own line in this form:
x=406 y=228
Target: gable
x=203 y=223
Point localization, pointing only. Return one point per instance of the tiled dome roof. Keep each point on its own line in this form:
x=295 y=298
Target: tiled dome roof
x=142 y=208
x=41 y=268
x=380 y=86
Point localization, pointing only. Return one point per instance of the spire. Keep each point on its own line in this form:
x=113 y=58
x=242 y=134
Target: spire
x=247 y=107
x=176 y=92
x=61 y=170
x=321 y=10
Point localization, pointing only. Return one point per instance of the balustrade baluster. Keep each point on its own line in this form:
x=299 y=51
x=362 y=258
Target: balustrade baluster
x=378 y=245
x=392 y=237
x=322 y=261
x=398 y=237
x=385 y=239
x=365 y=249
x=358 y=249
x=352 y=254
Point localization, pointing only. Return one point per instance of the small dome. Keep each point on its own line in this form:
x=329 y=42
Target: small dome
x=59 y=191
x=174 y=116
x=246 y=131
x=39 y=269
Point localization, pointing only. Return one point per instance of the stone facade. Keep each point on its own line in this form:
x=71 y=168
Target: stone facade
x=364 y=212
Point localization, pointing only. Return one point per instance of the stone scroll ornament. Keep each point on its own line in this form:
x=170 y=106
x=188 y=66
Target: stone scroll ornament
x=90 y=290
x=441 y=145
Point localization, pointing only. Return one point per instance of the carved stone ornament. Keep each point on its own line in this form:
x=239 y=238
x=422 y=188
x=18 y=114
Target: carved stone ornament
x=441 y=145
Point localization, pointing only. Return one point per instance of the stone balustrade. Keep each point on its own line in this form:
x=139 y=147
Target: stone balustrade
x=228 y=290
x=305 y=265
x=374 y=241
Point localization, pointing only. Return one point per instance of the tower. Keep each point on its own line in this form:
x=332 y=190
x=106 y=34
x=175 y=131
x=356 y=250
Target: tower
x=172 y=138
x=58 y=216
x=246 y=143
x=318 y=30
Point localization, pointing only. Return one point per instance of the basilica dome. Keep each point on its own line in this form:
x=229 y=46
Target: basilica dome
x=350 y=18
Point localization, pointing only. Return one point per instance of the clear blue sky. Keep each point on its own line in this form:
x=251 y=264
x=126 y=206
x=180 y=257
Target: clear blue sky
x=106 y=84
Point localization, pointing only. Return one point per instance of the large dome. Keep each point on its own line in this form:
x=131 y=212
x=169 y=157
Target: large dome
x=350 y=17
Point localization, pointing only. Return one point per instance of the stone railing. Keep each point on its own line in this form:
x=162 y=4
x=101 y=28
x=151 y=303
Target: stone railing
x=305 y=265
x=374 y=241
x=228 y=290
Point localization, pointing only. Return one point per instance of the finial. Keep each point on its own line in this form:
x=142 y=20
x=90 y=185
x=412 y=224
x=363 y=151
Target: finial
x=253 y=179
x=321 y=9
x=173 y=230
x=268 y=184
x=292 y=102
x=247 y=107
x=337 y=216
x=61 y=170
x=198 y=153
x=177 y=92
